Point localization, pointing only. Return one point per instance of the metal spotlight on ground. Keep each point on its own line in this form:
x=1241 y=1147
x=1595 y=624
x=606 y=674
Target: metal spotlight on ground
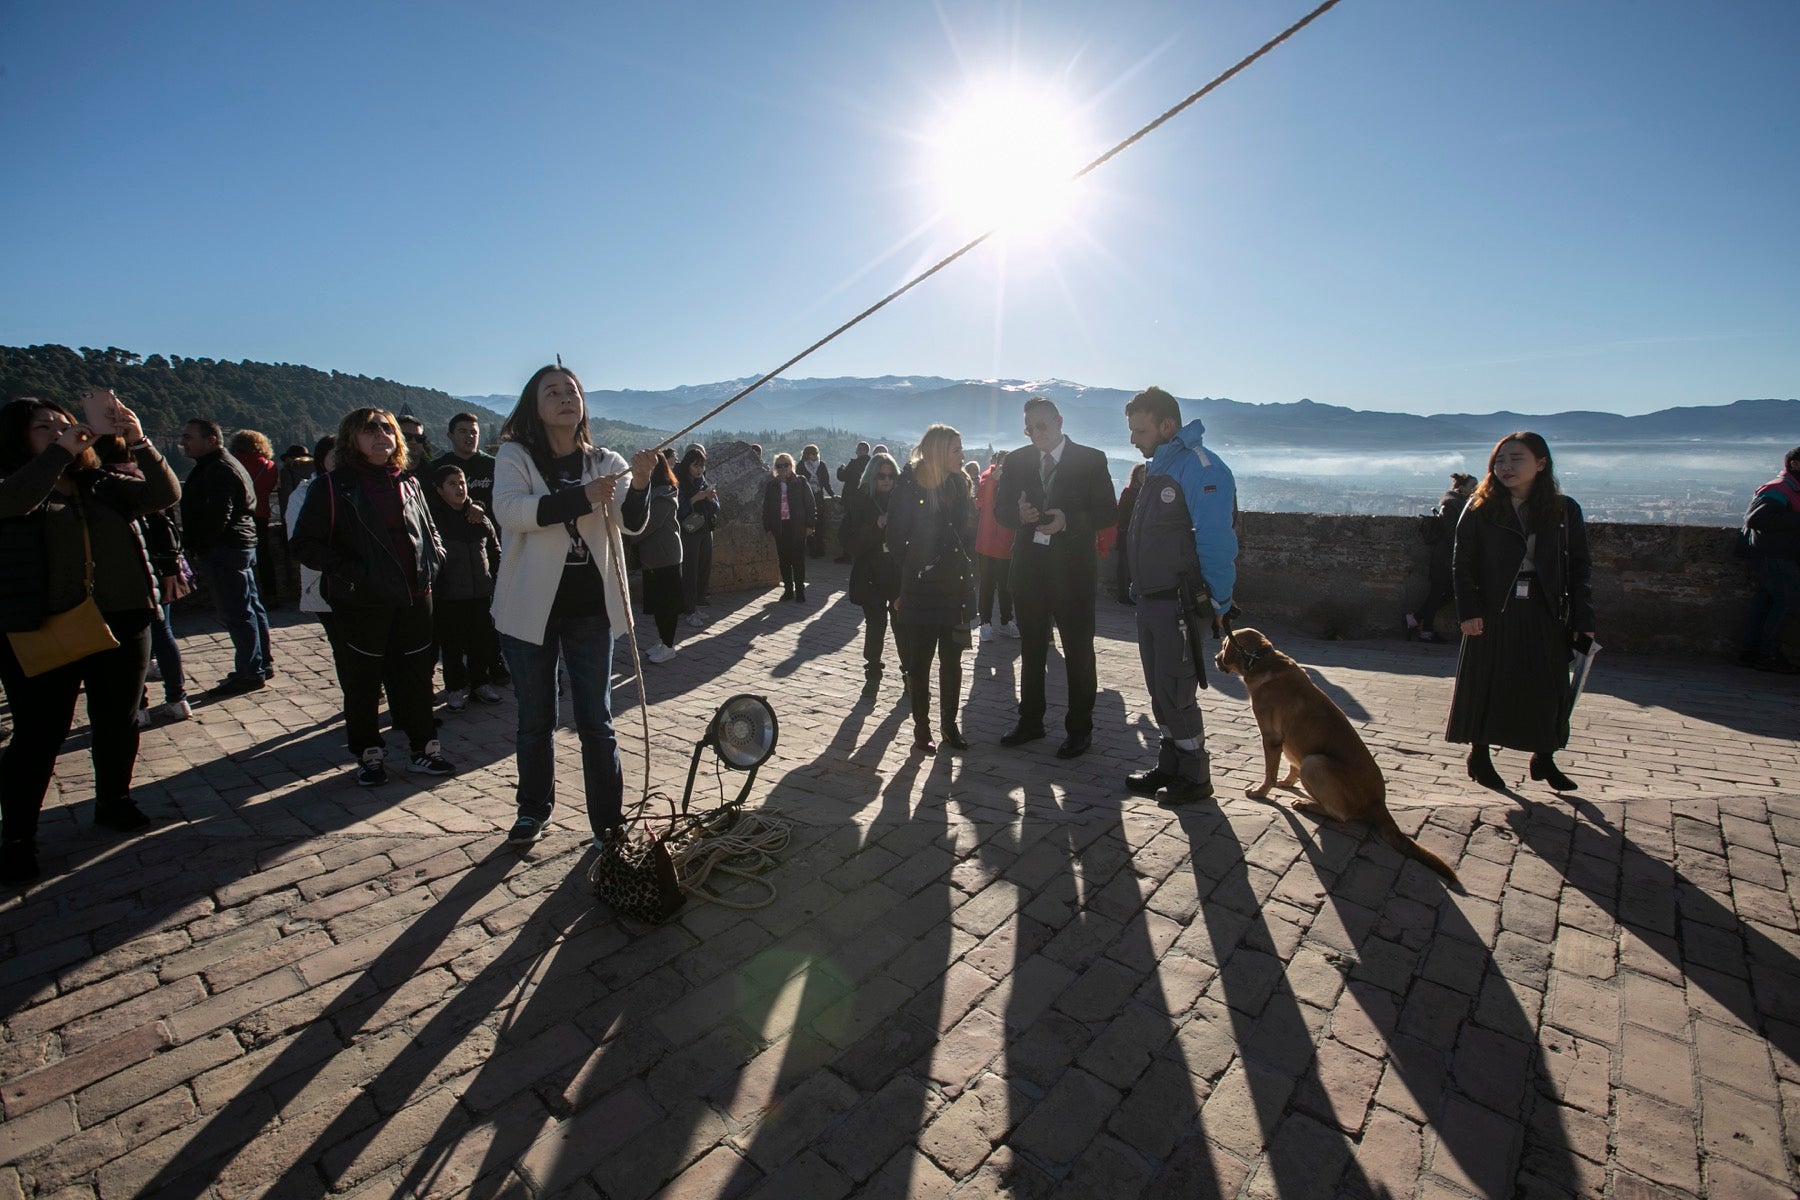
x=742 y=733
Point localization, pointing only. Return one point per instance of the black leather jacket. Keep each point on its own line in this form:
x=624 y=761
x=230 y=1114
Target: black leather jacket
x=1490 y=545
x=218 y=505
x=340 y=535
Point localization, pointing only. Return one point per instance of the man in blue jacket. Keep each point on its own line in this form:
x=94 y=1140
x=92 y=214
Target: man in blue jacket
x=1183 y=533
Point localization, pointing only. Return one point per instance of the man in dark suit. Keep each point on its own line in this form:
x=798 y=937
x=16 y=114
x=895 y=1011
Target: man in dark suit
x=1057 y=494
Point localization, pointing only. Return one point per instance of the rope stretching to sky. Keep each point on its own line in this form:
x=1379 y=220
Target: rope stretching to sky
x=922 y=276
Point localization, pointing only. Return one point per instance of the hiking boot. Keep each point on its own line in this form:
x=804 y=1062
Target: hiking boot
x=1183 y=791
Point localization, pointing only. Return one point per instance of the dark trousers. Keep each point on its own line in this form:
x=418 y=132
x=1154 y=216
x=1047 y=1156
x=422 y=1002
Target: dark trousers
x=466 y=640
x=696 y=569
x=790 y=551
x=167 y=652
x=585 y=644
x=231 y=574
x=992 y=576
x=271 y=555
x=919 y=645
x=43 y=708
x=383 y=647
x=1046 y=595
x=876 y=620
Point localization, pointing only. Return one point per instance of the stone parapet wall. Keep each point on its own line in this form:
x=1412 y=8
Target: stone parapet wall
x=1658 y=589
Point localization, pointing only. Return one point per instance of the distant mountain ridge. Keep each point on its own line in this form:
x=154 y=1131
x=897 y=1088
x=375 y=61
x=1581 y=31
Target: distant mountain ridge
x=901 y=406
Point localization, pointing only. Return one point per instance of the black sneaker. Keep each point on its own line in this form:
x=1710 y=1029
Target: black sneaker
x=237 y=685
x=430 y=761
x=526 y=831
x=121 y=816
x=371 y=771
x=18 y=862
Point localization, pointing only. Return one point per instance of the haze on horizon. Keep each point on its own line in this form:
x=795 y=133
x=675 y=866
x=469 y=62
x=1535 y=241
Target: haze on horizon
x=1410 y=207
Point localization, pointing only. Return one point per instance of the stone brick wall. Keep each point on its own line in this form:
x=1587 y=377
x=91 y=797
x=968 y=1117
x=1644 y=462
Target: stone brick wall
x=1658 y=589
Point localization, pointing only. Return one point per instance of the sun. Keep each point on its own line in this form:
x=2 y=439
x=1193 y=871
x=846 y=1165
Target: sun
x=1005 y=160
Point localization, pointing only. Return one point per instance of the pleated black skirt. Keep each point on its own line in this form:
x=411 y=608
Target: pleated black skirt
x=1512 y=683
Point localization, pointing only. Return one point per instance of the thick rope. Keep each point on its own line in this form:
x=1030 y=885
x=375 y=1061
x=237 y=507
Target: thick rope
x=922 y=276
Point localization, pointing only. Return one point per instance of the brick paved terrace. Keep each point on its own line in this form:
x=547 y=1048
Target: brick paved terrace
x=988 y=974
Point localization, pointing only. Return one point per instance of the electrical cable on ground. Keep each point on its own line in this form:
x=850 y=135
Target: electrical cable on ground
x=922 y=276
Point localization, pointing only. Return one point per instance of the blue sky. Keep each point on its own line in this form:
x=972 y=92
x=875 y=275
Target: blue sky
x=1417 y=205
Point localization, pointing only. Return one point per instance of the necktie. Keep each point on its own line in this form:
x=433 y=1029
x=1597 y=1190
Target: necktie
x=1049 y=467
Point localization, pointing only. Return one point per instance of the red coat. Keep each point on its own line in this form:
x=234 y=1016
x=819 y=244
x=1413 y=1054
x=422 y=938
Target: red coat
x=991 y=538
x=263 y=476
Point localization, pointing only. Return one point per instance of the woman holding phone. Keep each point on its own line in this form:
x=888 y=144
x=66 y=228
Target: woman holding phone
x=62 y=517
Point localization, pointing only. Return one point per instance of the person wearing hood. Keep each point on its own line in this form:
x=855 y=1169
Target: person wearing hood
x=1183 y=528
x=1771 y=536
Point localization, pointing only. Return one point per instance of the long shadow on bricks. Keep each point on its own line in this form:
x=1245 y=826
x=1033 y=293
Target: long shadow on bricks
x=1684 y=921
x=208 y=1148
x=1426 y=998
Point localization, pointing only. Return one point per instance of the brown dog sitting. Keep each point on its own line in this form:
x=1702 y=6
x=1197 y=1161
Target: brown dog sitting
x=1323 y=750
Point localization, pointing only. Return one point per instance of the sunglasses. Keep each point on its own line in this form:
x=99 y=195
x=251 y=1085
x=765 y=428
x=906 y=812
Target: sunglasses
x=884 y=477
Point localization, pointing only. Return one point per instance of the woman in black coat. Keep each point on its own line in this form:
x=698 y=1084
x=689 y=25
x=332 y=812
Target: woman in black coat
x=1440 y=588
x=1521 y=572
x=931 y=531
x=365 y=527
x=874 y=572
x=788 y=517
x=67 y=533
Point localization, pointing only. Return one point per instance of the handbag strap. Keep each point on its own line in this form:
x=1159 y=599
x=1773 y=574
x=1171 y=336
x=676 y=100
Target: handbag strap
x=87 y=543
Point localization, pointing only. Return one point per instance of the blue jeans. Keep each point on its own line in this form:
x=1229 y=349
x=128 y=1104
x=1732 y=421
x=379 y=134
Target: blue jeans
x=1777 y=598
x=168 y=656
x=231 y=571
x=586 y=645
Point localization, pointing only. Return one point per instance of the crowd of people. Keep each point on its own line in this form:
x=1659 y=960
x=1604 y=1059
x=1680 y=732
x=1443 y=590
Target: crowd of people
x=511 y=570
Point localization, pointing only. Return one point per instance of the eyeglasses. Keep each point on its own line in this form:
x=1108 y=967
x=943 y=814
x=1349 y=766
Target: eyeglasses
x=1039 y=426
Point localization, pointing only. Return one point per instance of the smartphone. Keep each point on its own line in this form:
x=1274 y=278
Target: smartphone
x=98 y=411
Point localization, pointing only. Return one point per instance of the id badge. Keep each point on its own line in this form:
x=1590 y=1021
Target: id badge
x=1041 y=538
x=1522 y=589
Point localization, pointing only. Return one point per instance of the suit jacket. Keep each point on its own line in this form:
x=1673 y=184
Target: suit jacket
x=1081 y=488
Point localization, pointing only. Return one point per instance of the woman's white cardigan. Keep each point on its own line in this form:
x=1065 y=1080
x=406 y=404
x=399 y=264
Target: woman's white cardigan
x=532 y=555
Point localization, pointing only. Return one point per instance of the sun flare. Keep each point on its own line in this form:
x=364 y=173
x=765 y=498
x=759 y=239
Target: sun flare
x=1005 y=160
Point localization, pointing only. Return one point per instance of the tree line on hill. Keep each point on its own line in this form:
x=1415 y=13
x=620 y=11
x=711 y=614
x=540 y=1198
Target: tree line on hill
x=288 y=403
x=295 y=404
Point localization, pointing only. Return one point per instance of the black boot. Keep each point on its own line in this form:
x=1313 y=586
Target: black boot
x=18 y=862
x=1481 y=769
x=1543 y=766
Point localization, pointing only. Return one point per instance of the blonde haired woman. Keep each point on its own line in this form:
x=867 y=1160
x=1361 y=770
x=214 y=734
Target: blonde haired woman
x=931 y=532
x=366 y=529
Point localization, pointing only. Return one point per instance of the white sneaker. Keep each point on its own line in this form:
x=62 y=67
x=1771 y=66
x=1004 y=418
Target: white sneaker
x=660 y=653
x=174 y=710
x=696 y=621
x=142 y=720
x=1009 y=630
x=987 y=632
